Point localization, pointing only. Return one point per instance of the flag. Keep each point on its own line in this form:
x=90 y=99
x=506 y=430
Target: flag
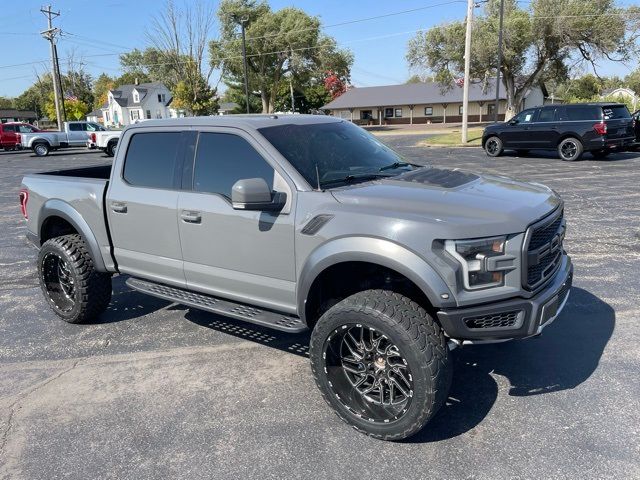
x=460 y=81
x=71 y=97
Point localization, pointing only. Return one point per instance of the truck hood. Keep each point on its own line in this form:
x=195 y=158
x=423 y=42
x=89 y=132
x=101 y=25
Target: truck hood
x=466 y=204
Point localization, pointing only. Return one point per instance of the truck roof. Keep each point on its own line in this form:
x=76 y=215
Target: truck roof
x=250 y=121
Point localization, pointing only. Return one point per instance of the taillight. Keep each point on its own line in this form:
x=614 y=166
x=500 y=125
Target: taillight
x=600 y=128
x=24 y=198
x=93 y=137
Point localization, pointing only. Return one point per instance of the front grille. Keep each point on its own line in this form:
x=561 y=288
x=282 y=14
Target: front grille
x=543 y=250
x=495 y=320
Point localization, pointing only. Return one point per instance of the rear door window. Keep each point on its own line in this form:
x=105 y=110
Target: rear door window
x=25 y=129
x=75 y=127
x=151 y=160
x=9 y=128
x=546 y=115
x=615 y=111
x=222 y=159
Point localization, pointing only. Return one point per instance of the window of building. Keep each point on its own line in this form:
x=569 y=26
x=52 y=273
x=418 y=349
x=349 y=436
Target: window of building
x=148 y=117
x=388 y=112
x=136 y=97
x=461 y=110
x=398 y=112
x=161 y=97
x=151 y=159
x=366 y=114
x=158 y=114
x=222 y=159
x=106 y=116
x=428 y=111
x=491 y=108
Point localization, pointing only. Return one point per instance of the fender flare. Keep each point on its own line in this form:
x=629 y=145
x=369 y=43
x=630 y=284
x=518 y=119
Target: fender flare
x=58 y=208
x=380 y=252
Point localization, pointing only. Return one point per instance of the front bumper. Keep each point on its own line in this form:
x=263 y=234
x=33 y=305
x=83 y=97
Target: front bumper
x=514 y=318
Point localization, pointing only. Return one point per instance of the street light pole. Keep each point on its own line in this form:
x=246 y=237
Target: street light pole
x=467 y=68
x=244 y=62
x=495 y=111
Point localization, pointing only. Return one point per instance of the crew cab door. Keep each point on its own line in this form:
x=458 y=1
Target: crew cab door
x=142 y=204
x=544 y=132
x=242 y=255
x=77 y=133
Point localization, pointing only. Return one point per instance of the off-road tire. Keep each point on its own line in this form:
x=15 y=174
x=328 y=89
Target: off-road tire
x=573 y=145
x=493 y=147
x=41 y=149
x=92 y=292
x=111 y=149
x=418 y=337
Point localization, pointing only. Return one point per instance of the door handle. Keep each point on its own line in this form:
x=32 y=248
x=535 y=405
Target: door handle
x=118 y=207
x=191 y=216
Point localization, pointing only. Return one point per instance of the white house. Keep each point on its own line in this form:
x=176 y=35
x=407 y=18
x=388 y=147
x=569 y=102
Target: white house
x=622 y=93
x=134 y=103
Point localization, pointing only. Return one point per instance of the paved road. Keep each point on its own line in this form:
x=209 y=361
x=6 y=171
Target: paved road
x=157 y=390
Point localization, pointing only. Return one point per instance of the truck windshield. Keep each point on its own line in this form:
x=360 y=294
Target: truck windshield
x=334 y=153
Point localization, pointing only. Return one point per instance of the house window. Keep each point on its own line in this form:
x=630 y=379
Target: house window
x=106 y=116
x=491 y=108
x=461 y=110
x=136 y=97
x=398 y=112
x=135 y=114
x=158 y=114
x=428 y=111
x=161 y=98
x=388 y=112
x=148 y=115
x=366 y=114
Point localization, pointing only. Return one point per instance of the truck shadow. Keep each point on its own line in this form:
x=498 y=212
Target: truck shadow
x=563 y=357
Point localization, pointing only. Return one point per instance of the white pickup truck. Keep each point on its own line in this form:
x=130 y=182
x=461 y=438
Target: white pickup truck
x=73 y=135
x=106 y=141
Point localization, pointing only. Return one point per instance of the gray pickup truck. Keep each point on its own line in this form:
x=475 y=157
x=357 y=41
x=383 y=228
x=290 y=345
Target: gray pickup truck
x=74 y=134
x=309 y=222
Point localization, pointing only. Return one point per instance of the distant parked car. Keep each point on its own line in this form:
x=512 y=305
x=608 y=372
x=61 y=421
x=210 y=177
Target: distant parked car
x=9 y=140
x=598 y=128
x=75 y=134
x=106 y=141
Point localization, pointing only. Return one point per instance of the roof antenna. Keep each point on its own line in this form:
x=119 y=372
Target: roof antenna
x=318 y=178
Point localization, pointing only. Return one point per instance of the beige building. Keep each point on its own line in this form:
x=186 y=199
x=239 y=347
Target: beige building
x=427 y=102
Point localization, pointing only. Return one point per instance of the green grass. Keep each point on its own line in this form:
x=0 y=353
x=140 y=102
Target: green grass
x=474 y=137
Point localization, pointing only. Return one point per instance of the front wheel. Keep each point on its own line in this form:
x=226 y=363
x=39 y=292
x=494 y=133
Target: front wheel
x=74 y=290
x=493 y=146
x=41 y=149
x=111 y=149
x=570 y=149
x=382 y=363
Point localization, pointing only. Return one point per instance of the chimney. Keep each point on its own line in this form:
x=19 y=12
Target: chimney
x=136 y=81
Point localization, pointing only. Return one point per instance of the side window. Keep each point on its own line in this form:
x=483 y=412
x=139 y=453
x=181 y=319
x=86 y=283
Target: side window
x=75 y=127
x=584 y=112
x=151 y=160
x=546 y=115
x=525 y=116
x=9 y=128
x=222 y=159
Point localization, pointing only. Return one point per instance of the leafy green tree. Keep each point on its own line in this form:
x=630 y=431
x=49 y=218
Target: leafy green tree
x=282 y=46
x=36 y=96
x=6 y=102
x=632 y=81
x=542 y=38
x=73 y=109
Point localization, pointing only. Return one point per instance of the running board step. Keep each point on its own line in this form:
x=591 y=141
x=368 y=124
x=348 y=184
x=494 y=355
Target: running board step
x=227 y=308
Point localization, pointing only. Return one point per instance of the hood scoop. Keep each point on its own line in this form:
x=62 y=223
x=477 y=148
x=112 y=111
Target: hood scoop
x=439 y=177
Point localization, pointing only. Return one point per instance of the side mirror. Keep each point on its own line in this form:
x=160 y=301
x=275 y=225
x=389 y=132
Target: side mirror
x=254 y=194
x=513 y=121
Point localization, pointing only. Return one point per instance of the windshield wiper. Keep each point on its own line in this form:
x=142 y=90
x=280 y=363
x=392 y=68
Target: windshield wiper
x=353 y=178
x=394 y=165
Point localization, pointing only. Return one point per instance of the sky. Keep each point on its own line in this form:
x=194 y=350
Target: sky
x=97 y=31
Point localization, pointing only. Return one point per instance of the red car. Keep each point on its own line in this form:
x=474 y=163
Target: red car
x=9 y=140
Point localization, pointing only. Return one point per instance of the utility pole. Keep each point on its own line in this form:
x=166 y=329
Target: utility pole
x=50 y=34
x=293 y=101
x=467 y=67
x=243 y=21
x=495 y=111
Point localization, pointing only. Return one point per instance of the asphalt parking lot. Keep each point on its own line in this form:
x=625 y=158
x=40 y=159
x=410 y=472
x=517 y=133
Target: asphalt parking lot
x=157 y=390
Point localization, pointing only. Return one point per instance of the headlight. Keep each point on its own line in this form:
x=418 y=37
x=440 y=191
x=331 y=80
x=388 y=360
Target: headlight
x=473 y=256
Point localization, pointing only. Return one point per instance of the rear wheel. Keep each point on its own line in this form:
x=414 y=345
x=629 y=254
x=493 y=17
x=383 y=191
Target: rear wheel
x=74 y=290
x=382 y=363
x=111 y=149
x=570 y=149
x=493 y=146
x=41 y=149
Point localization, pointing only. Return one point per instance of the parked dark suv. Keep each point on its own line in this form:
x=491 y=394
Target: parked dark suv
x=573 y=129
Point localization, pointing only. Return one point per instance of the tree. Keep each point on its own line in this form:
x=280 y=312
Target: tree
x=101 y=87
x=547 y=37
x=36 y=96
x=281 y=46
x=74 y=109
x=414 y=79
x=6 y=102
x=633 y=80
x=334 y=85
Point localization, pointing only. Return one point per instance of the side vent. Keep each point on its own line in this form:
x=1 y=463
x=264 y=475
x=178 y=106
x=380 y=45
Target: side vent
x=315 y=224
